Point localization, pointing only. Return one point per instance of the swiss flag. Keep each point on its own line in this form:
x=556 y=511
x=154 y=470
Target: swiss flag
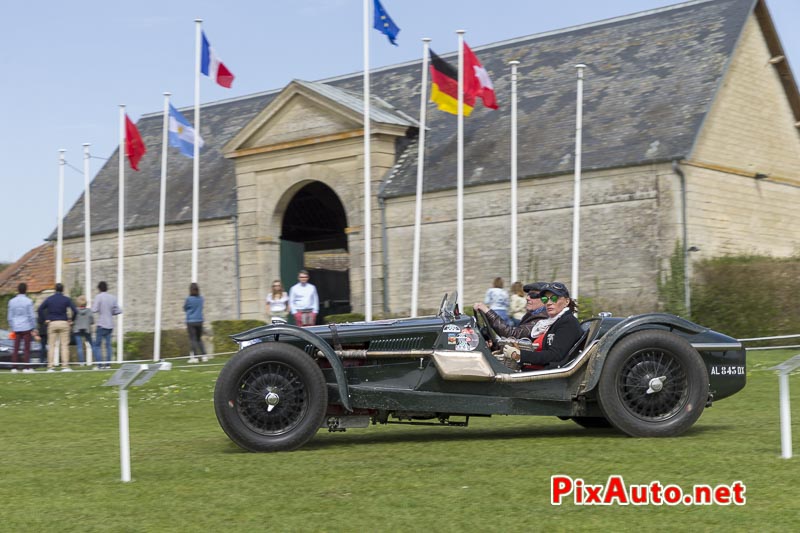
x=476 y=80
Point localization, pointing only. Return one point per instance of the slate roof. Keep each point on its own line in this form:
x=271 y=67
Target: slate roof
x=380 y=110
x=648 y=83
x=219 y=122
x=650 y=79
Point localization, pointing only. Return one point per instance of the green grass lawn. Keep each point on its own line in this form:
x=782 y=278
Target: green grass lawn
x=60 y=467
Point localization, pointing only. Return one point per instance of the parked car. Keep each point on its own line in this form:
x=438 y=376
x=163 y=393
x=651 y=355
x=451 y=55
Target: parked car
x=7 y=348
x=647 y=375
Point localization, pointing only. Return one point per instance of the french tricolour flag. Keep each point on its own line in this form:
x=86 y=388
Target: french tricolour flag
x=213 y=67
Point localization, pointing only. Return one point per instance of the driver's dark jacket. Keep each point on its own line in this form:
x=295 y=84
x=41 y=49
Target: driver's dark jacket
x=526 y=323
x=558 y=340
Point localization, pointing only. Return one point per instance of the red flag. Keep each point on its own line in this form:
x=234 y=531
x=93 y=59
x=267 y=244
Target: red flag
x=476 y=80
x=134 y=146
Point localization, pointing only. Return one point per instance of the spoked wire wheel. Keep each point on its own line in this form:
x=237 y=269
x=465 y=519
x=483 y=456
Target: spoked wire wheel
x=271 y=397
x=653 y=384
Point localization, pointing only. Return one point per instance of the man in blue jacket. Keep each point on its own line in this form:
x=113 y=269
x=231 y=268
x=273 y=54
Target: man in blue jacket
x=59 y=327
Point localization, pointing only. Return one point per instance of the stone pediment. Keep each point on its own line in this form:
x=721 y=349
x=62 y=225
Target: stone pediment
x=308 y=112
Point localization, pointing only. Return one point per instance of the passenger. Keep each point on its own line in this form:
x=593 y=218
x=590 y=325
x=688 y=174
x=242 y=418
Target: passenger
x=556 y=334
x=535 y=311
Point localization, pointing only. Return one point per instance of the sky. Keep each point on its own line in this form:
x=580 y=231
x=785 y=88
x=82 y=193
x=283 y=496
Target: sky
x=68 y=65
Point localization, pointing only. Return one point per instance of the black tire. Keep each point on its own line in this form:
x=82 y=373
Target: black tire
x=631 y=369
x=592 y=422
x=274 y=372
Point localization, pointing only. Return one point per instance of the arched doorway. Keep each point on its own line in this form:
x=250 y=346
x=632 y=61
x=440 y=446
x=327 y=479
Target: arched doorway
x=313 y=237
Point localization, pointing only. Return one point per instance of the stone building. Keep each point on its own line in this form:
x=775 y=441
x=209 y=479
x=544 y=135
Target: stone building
x=691 y=121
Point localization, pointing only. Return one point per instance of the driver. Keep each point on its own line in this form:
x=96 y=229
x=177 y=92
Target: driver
x=534 y=312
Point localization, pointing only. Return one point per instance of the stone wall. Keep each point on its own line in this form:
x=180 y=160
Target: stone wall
x=749 y=131
x=628 y=226
x=266 y=184
x=216 y=267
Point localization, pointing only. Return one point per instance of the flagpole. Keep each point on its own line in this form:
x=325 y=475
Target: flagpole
x=367 y=177
x=196 y=163
x=87 y=228
x=121 y=237
x=514 y=264
x=423 y=108
x=161 y=216
x=60 y=231
x=576 y=212
x=460 y=174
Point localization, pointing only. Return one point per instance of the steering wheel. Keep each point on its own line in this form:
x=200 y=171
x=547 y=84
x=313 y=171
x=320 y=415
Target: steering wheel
x=486 y=330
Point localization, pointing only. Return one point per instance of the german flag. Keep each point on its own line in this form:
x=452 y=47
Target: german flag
x=444 y=87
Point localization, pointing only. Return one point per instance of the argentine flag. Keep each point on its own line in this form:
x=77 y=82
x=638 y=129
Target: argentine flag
x=181 y=133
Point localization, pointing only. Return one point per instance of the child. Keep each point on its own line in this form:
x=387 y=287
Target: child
x=82 y=328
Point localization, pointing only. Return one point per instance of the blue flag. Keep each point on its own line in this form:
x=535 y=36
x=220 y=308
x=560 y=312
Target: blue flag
x=181 y=133
x=384 y=23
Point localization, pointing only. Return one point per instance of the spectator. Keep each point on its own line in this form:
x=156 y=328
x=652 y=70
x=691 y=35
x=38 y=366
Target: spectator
x=497 y=300
x=304 y=301
x=277 y=302
x=22 y=321
x=105 y=305
x=193 y=307
x=518 y=304
x=41 y=321
x=82 y=328
x=59 y=327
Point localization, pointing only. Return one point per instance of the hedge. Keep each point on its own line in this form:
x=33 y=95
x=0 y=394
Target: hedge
x=747 y=296
x=139 y=344
x=224 y=328
x=343 y=317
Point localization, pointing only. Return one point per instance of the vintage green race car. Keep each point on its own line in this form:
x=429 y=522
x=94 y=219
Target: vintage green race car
x=647 y=375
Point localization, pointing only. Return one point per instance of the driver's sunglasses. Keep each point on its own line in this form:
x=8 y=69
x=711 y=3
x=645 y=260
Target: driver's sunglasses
x=552 y=298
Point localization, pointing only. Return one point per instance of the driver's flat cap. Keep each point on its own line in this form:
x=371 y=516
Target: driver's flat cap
x=534 y=287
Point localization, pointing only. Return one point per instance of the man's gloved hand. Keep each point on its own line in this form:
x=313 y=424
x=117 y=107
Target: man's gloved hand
x=511 y=357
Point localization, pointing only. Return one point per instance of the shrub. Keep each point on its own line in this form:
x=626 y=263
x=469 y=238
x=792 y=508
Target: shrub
x=4 y=299
x=139 y=344
x=671 y=292
x=343 y=317
x=747 y=296
x=224 y=328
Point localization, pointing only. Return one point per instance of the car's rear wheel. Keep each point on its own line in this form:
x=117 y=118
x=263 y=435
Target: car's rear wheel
x=270 y=397
x=653 y=384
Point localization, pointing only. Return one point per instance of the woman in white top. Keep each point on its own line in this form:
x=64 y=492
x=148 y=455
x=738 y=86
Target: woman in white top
x=277 y=301
x=517 y=307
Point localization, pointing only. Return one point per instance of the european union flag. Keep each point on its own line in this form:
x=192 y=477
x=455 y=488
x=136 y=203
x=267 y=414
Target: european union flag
x=384 y=23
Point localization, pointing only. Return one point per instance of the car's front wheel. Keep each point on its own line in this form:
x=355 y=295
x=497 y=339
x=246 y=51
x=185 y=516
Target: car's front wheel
x=653 y=384
x=270 y=397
